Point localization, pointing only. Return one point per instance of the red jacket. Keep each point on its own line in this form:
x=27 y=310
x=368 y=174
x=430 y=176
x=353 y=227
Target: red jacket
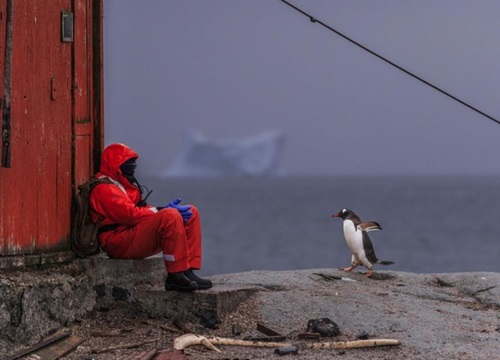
x=117 y=202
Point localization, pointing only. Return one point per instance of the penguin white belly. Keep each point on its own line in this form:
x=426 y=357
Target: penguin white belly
x=354 y=239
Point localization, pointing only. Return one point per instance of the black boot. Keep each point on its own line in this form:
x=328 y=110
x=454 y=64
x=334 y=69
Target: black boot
x=178 y=281
x=202 y=283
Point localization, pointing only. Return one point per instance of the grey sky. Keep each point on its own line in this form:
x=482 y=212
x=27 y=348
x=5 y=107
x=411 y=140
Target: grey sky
x=236 y=68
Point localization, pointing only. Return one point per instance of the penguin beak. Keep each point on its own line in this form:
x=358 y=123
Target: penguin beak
x=336 y=215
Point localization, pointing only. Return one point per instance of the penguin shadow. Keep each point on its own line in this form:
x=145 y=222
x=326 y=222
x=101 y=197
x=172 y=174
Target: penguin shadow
x=379 y=276
x=355 y=275
x=382 y=276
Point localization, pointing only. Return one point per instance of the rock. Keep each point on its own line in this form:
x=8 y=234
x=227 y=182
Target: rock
x=37 y=304
x=208 y=318
x=451 y=316
x=324 y=326
x=236 y=329
x=446 y=315
x=287 y=350
x=362 y=335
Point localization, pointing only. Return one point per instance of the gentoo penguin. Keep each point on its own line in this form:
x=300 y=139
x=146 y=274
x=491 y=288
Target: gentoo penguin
x=356 y=237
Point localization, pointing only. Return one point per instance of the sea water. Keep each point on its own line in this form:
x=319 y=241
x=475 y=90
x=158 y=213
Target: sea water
x=429 y=224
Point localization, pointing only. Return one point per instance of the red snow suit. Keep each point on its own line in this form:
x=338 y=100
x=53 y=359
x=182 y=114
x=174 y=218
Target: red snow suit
x=141 y=231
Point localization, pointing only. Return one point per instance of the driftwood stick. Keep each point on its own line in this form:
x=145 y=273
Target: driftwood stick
x=186 y=340
x=182 y=326
x=105 y=334
x=170 y=329
x=353 y=344
x=209 y=345
x=183 y=341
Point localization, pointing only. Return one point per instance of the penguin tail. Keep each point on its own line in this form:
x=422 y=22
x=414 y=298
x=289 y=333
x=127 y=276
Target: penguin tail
x=384 y=262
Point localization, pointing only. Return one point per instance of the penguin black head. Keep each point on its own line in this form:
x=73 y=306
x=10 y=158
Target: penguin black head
x=344 y=214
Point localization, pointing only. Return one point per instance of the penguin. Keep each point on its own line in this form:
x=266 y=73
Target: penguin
x=356 y=237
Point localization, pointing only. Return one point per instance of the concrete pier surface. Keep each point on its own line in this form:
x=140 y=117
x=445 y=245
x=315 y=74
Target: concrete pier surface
x=109 y=304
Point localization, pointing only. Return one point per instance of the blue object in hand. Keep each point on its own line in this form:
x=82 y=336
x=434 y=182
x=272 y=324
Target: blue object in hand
x=183 y=210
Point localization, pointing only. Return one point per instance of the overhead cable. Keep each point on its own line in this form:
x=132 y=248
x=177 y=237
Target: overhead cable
x=316 y=21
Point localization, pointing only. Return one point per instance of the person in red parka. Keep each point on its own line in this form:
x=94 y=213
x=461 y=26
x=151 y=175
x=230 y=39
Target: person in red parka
x=132 y=229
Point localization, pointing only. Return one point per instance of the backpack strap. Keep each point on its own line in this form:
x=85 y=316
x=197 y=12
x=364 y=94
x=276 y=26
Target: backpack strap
x=106 y=228
x=94 y=181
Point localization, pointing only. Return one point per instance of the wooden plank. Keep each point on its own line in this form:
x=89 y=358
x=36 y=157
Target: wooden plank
x=51 y=339
x=147 y=355
x=171 y=355
x=266 y=330
x=59 y=349
x=123 y=346
x=271 y=335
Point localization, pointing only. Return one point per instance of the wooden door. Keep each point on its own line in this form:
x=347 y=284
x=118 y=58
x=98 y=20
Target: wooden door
x=87 y=84
x=35 y=171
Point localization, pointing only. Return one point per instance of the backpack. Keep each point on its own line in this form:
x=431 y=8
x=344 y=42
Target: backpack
x=84 y=240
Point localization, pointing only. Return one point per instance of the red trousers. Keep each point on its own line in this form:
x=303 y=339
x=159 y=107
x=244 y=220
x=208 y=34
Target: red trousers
x=163 y=232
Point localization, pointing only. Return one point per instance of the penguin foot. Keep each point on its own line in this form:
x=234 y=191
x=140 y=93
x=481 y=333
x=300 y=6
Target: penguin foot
x=369 y=273
x=347 y=268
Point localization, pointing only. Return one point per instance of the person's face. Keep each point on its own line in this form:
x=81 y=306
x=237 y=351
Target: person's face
x=128 y=167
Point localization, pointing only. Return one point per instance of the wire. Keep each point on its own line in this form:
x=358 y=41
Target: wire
x=314 y=20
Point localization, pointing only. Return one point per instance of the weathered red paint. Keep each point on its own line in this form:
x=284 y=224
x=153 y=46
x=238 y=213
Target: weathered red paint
x=56 y=120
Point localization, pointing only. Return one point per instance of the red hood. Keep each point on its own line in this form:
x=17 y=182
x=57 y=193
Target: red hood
x=113 y=156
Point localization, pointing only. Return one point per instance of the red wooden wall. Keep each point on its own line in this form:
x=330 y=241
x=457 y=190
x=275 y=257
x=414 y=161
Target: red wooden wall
x=55 y=124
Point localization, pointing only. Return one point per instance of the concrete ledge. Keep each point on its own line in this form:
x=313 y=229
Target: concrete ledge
x=19 y=262
x=121 y=280
x=221 y=301
x=139 y=285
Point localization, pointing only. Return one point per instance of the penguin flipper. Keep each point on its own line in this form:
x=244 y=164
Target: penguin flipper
x=369 y=226
x=368 y=248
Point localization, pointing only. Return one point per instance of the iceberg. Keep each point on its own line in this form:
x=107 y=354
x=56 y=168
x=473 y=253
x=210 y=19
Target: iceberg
x=260 y=155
